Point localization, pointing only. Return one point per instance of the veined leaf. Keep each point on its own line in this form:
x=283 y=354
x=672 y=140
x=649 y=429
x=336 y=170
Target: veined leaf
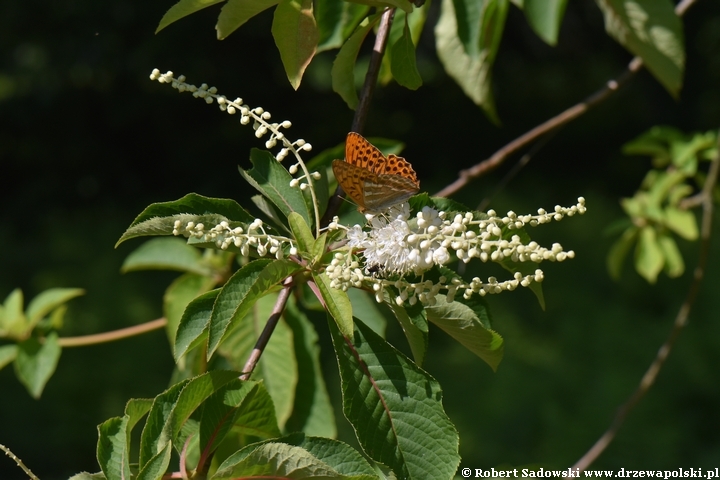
x=182 y=9
x=395 y=407
x=336 y=21
x=112 y=452
x=651 y=30
x=403 y=66
x=236 y=12
x=337 y=303
x=296 y=37
x=165 y=254
x=194 y=323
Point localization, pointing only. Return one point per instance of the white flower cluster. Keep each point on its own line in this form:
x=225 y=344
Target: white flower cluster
x=223 y=236
x=401 y=245
x=258 y=115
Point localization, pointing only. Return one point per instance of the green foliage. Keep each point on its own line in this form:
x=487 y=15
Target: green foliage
x=659 y=208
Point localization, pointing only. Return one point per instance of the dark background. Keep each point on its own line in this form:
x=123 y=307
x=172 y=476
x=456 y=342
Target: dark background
x=87 y=141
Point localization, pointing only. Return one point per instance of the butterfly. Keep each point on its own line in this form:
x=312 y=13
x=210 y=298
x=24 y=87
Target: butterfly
x=372 y=180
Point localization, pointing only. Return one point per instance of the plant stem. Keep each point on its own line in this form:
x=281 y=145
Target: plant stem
x=112 y=336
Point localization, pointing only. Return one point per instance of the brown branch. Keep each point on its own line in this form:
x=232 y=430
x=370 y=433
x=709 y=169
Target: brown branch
x=366 y=93
x=112 y=336
x=681 y=321
x=267 y=332
x=556 y=122
x=19 y=462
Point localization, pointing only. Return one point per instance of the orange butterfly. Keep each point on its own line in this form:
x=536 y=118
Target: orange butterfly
x=372 y=180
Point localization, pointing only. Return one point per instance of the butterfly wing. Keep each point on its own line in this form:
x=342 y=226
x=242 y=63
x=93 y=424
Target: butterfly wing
x=352 y=179
x=387 y=190
x=364 y=154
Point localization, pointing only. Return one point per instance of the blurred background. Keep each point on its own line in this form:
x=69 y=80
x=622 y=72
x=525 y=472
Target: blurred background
x=87 y=141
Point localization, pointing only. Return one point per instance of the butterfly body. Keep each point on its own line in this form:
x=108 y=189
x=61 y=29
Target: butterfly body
x=373 y=181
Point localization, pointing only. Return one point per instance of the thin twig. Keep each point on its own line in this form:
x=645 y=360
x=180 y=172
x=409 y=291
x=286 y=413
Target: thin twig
x=267 y=332
x=681 y=321
x=366 y=93
x=19 y=462
x=558 y=121
x=112 y=336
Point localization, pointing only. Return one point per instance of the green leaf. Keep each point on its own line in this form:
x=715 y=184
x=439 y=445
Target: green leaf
x=414 y=324
x=277 y=366
x=395 y=407
x=243 y=406
x=545 y=17
x=272 y=213
x=236 y=12
x=467 y=41
x=136 y=409
x=345 y=460
x=674 y=264
x=404 y=67
x=649 y=258
x=47 y=301
x=651 y=30
x=166 y=254
x=343 y=69
x=112 y=452
x=241 y=292
x=178 y=296
x=12 y=319
x=337 y=303
x=8 y=353
x=464 y=324
x=302 y=234
x=367 y=309
x=194 y=323
x=404 y=5
x=36 y=362
x=619 y=250
x=88 y=476
x=182 y=9
x=156 y=467
x=336 y=22
x=312 y=411
x=273 y=181
x=159 y=218
x=682 y=222
x=296 y=37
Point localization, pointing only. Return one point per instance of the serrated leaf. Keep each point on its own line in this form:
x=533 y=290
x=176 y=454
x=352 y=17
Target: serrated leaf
x=312 y=411
x=159 y=218
x=461 y=322
x=166 y=254
x=236 y=12
x=674 y=264
x=619 y=250
x=395 y=407
x=182 y=9
x=545 y=17
x=682 y=222
x=343 y=69
x=649 y=258
x=301 y=232
x=467 y=41
x=296 y=37
x=194 y=323
x=112 y=450
x=178 y=296
x=7 y=354
x=651 y=30
x=136 y=409
x=273 y=181
x=36 y=362
x=403 y=65
x=336 y=22
x=240 y=293
x=156 y=467
x=47 y=301
x=337 y=303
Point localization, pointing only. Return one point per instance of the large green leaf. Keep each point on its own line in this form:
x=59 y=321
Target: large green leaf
x=545 y=17
x=36 y=362
x=463 y=320
x=336 y=22
x=240 y=293
x=194 y=323
x=236 y=12
x=343 y=69
x=467 y=38
x=296 y=37
x=395 y=407
x=273 y=181
x=182 y=9
x=159 y=218
x=113 y=453
x=166 y=254
x=413 y=321
x=404 y=66
x=178 y=296
x=651 y=30
x=337 y=303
